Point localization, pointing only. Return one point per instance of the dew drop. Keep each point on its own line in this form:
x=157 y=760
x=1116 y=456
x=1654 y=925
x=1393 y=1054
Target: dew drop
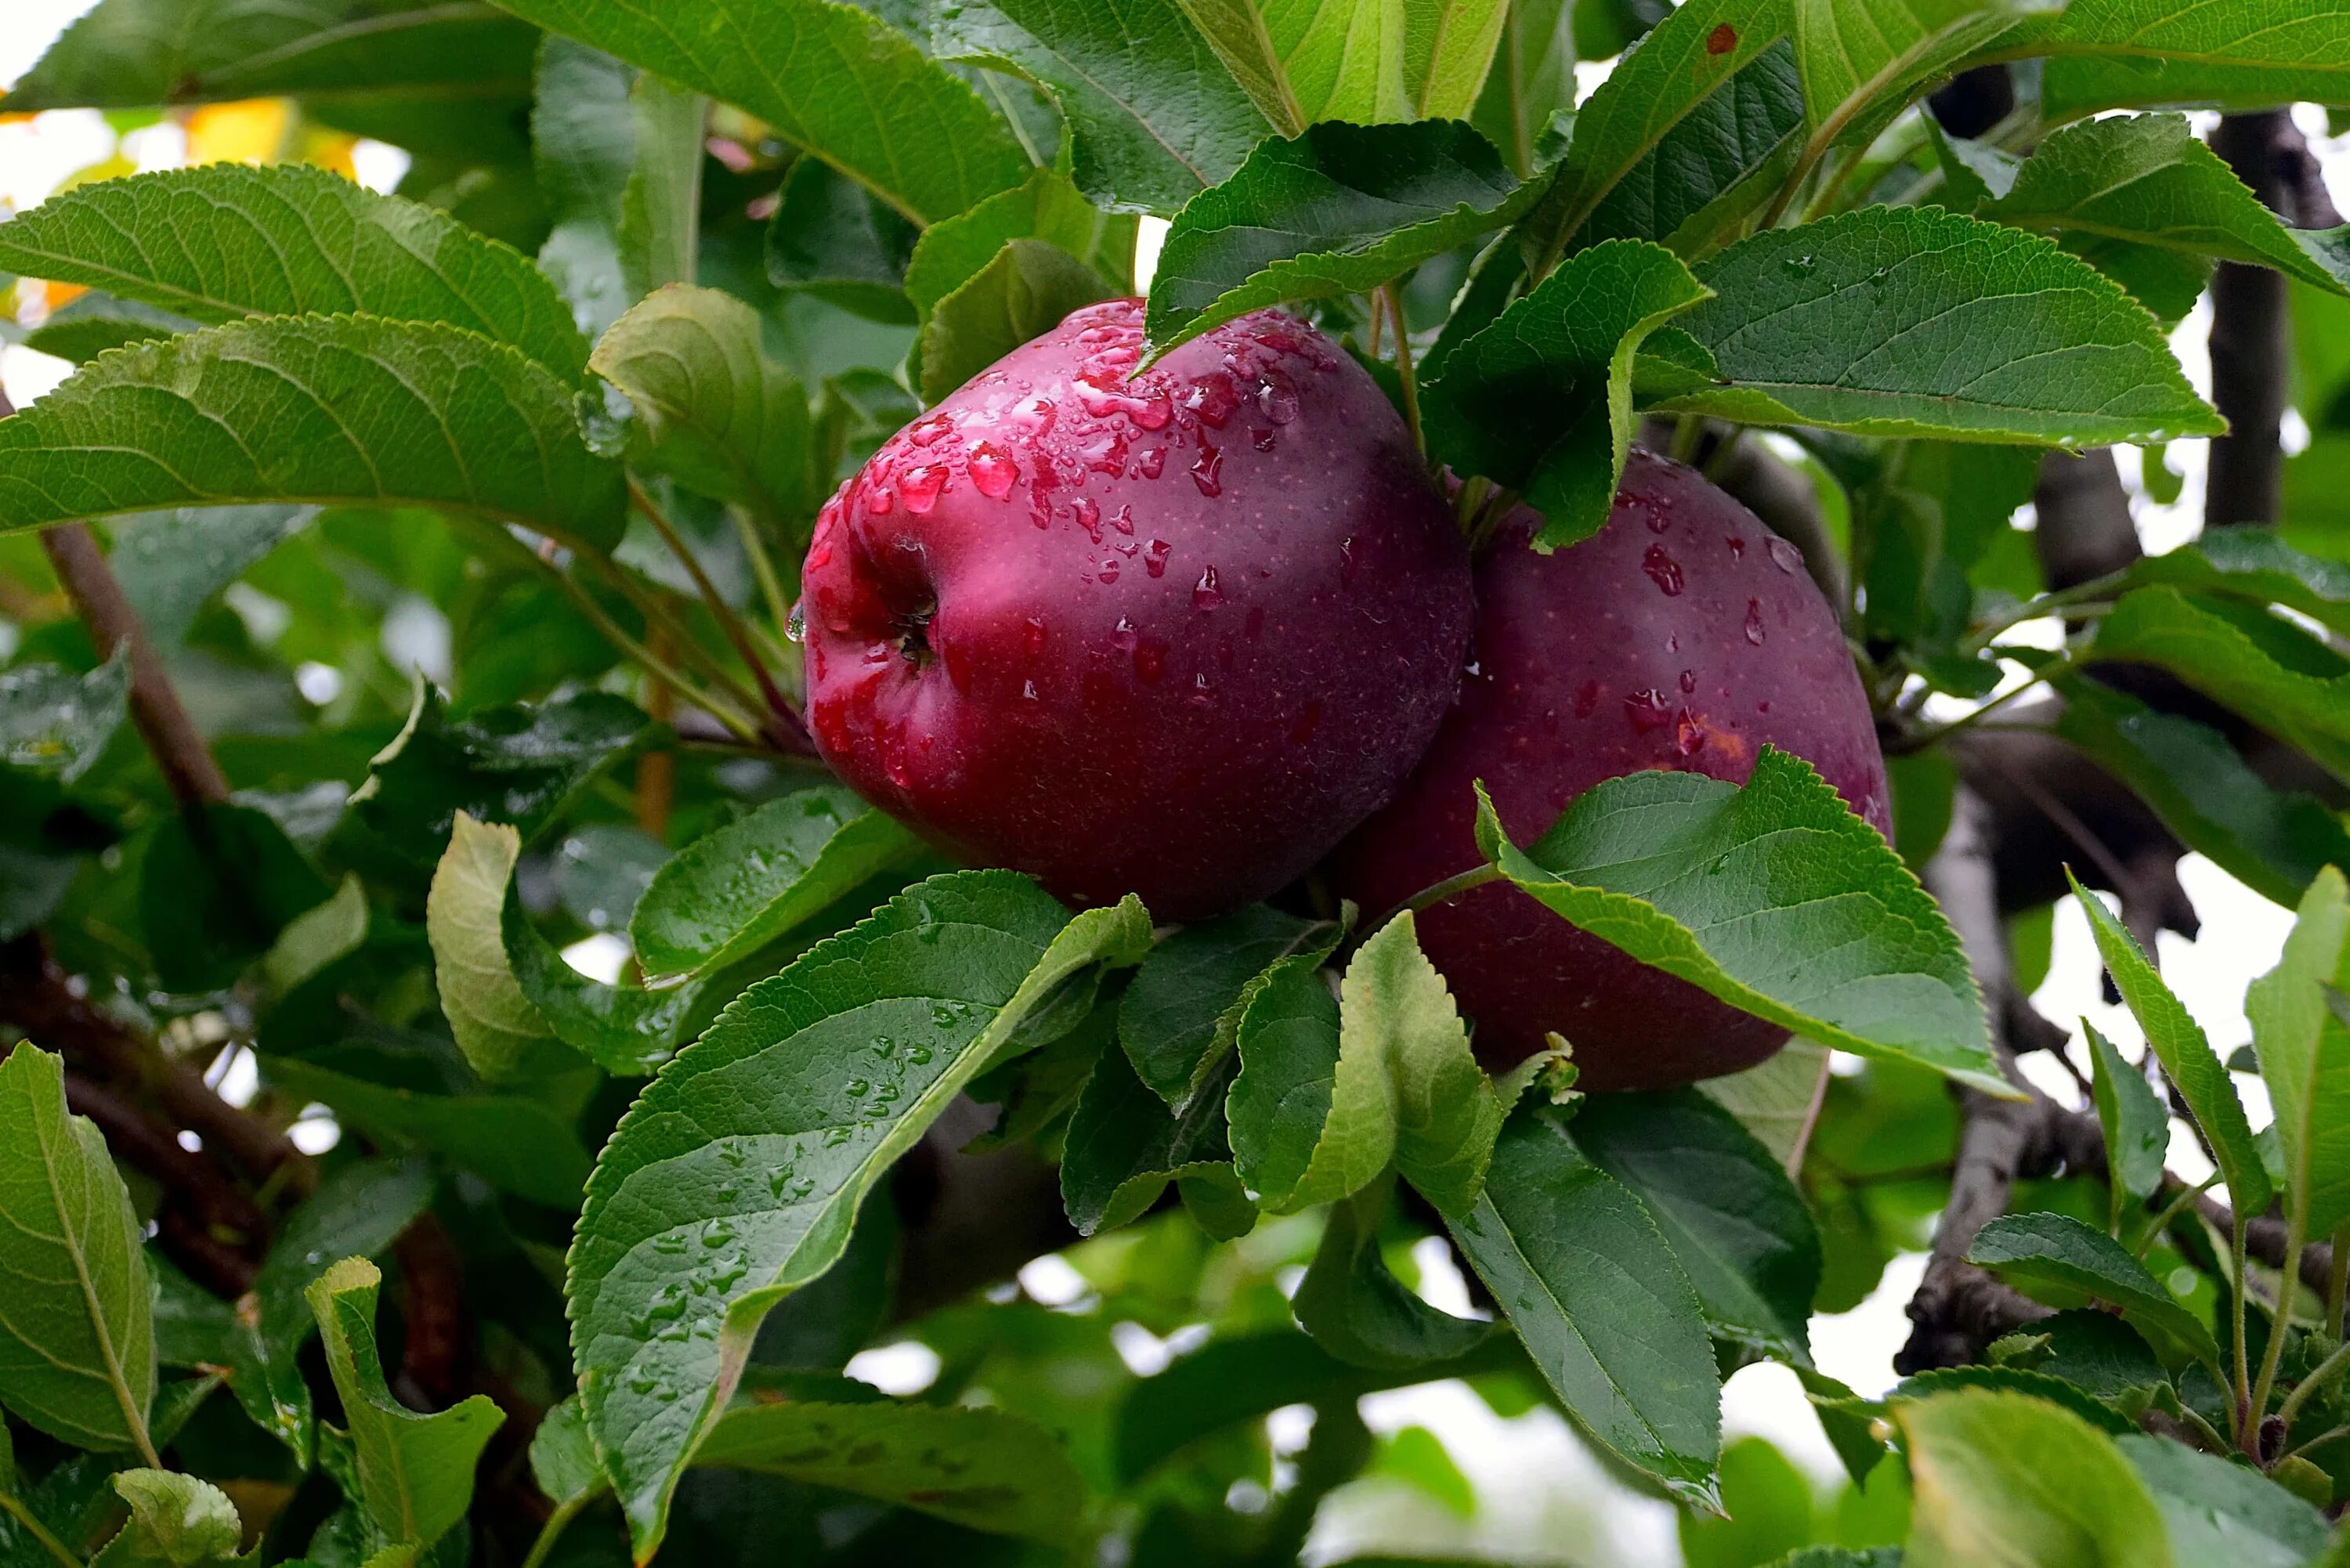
x=1689 y=681
x=921 y=486
x=1108 y=570
x=795 y=625
x=1152 y=462
x=992 y=471
x=1649 y=709
x=1205 y=594
x=1785 y=556
x=1206 y=470
x=1754 y=622
x=1154 y=557
x=1089 y=517
x=1261 y=437
x=1662 y=569
x=1689 y=733
x=1737 y=547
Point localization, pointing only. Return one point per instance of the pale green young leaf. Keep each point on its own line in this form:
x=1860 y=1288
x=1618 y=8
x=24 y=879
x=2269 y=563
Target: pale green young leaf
x=1179 y=1017
x=2305 y=1054
x=731 y=892
x=1772 y=897
x=1154 y=117
x=2137 y=1127
x=1235 y=29
x=176 y=1521
x=76 y=1330
x=582 y=144
x=57 y=720
x=1340 y=210
x=1046 y=207
x=501 y=1033
x=344 y=407
x=2266 y=668
x=2178 y=1043
x=1681 y=63
x=2056 y=1259
x=226 y=241
x=1600 y=1303
x=832 y=78
x=716 y=413
x=1778 y=1101
x=134 y=54
x=1541 y=400
x=2271 y=840
x=1999 y=1477
x=1448 y=50
x=1023 y=293
x=1344 y=60
x=737 y=1176
x=986 y=1469
x=1729 y=1210
x=1359 y=1312
x=660 y=206
x=1914 y=321
x=1860 y=58
x=2220 y=1511
x=2146 y=180
x=415 y=1471
x=2224 y=54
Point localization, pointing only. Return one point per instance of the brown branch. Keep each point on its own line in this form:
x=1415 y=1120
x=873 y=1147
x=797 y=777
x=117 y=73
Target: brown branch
x=2086 y=531
x=39 y=999
x=435 y=1348
x=180 y=749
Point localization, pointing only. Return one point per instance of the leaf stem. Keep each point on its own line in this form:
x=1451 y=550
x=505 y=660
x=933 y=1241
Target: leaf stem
x=762 y=567
x=1436 y=892
x=780 y=709
x=2338 y=1281
x=2243 y=1361
x=16 y=1508
x=659 y=669
x=2281 y=1320
x=552 y=1531
x=2326 y=1372
x=2171 y=1212
x=1394 y=297
x=1910 y=744
x=2092 y=596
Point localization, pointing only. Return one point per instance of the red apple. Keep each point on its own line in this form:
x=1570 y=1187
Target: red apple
x=1683 y=635
x=1170 y=633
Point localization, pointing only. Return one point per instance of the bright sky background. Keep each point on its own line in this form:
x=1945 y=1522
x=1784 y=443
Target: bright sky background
x=1536 y=1484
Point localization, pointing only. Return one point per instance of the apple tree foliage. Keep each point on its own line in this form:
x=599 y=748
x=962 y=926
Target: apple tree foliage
x=552 y=423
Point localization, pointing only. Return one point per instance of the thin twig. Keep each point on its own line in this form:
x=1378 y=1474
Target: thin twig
x=1409 y=381
x=783 y=719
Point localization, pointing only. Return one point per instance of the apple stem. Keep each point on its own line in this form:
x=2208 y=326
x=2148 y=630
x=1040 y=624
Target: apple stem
x=659 y=669
x=1411 y=381
x=1436 y=892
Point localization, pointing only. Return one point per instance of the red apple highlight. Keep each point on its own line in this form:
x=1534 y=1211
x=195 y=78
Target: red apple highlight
x=1683 y=635
x=1170 y=633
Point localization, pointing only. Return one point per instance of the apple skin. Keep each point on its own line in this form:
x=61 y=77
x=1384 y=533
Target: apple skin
x=1174 y=635
x=1683 y=636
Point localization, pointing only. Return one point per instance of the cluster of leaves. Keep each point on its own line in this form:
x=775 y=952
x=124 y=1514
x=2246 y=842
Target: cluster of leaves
x=553 y=422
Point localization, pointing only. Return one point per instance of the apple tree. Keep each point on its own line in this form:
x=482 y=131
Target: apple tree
x=1101 y=690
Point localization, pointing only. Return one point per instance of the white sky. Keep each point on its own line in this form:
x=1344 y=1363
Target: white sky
x=1538 y=1488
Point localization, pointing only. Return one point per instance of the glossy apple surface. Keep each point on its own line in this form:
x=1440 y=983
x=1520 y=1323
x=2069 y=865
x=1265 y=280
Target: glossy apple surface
x=1683 y=635
x=1172 y=632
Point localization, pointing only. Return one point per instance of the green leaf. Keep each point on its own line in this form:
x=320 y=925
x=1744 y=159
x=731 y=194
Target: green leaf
x=1772 y=897
x=985 y=1469
x=832 y=238
x=226 y=241
x=89 y=323
x=523 y=763
x=2204 y=792
x=345 y=407
x=1448 y=49
x=1861 y=59
x=1715 y=166
x=1913 y=321
x=2220 y=1512
x=1287 y=1039
x=661 y=206
x=2056 y=1259
x=2257 y=566
x=1182 y=1010
x=1343 y=60
x=563 y=1456
x=1776 y=1101
x=77 y=1336
x=501 y=1033
x=57 y=721
x=176 y=1521
x=730 y=893
x=129 y=54
x=2146 y=180
x=835 y=79
x=1046 y=207
x=2004 y=1478
x=1361 y=1314
x=625 y=1030
x=1726 y=1206
x=1235 y=30
x=415 y=1471
x=1153 y=117
x=2231 y=54
x=736 y=1177
x=171 y=565
x=1541 y=399
x=2039 y=1385
x=1340 y=210
x=2137 y=1127
x=516 y=1143
x=2270 y=670
x=583 y=138
x=1681 y=63
x=2305 y=1054
x=1023 y=293
x=1124 y=1145
x=718 y=415
x=1601 y=1304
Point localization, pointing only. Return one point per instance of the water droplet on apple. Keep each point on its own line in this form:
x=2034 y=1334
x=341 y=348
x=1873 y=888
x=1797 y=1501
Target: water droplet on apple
x=992 y=471
x=922 y=485
x=1205 y=594
x=1689 y=681
x=1754 y=622
x=1207 y=468
x=1662 y=569
x=1785 y=556
x=1737 y=547
x=1089 y=517
x=1108 y=568
x=1154 y=557
x=1649 y=709
x=1152 y=462
x=1689 y=733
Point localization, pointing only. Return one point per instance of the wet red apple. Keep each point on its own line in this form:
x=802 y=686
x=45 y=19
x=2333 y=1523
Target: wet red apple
x=1683 y=635
x=1170 y=633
